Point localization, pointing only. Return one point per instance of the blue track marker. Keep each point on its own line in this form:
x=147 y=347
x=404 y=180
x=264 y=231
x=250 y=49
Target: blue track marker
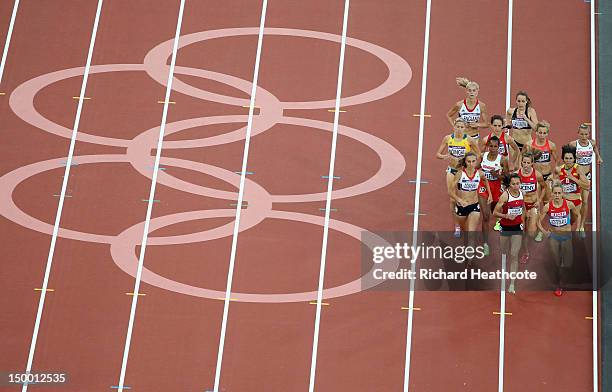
x=249 y=172
x=154 y=200
x=415 y=181
x=334 y=177
x=117 y=387
x=331 y=209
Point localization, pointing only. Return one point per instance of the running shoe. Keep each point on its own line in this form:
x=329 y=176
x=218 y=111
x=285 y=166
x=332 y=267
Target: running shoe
x=511 y=289
x=486 y=249
x=457 y=231
x=539 y=237
x=582 y=233
x=497 y=226
x=524 y=258
x=558 y=292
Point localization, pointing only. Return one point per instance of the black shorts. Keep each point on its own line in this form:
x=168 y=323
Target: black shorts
x=467 y=210
x=545 y=176
x=507 y=231
x=520 y=146
x=451 y=170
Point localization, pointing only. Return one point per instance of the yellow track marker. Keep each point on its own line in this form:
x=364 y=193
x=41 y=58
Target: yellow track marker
x=254 y=107
x=170 y=102
x=418 y=115
x=333 y=110
x=588 y=317
x=83 y=97
x=587 y=123
x=315 y=302
x=231 y=299
x=499 y=313
x=2 y=93
x=405 y=308
x=37 y=289
x=134 y=294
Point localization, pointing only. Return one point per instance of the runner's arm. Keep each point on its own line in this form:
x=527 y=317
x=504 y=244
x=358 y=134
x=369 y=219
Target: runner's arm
x=452 y=113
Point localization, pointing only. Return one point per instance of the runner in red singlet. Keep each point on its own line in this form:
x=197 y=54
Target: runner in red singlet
x=510 y=209
x=533 y=186
x=559 y=211
x=572 y=181
x=545 y=153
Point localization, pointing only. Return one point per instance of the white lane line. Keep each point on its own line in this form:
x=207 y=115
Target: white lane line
x=417 y=197
x=594 y=205
x=330 y=182
x=502 y=327
x=145 y=234
x=502 y=295
x=243 y=172
x=509 y=54
x=60 y=206
x=9 y=34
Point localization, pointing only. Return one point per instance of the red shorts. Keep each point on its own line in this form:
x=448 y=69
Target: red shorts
x=529 y=206
x=576 y=202
x=495 y=190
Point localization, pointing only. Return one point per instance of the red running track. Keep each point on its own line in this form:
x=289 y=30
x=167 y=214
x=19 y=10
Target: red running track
x=268 y=345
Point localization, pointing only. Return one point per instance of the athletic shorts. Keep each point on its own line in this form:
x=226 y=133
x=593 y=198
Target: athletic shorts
x=507 y=231
x=561 y=237
x=465 y=211
x=520 y=146
x=576 y=202
x=496 y=190
x=545 y=176
x=451 y=170
x=529 y=206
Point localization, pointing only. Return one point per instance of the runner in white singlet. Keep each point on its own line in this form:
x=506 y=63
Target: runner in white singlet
x=471 y=110
x=586 y=148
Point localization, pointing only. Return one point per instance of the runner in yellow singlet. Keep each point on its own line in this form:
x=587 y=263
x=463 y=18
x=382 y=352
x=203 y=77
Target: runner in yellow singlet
x=453 y=149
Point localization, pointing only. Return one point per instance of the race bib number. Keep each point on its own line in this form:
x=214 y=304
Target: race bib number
x=456 y=151
x=520 y=123
x=583 y=159
x=515 y=211
x=569 y=188
x=469 y=186
x=558 y=222
x=544 y=157
x=528 y=187
x=470 y=118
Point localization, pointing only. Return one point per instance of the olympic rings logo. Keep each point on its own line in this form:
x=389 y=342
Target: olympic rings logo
x=138 y=155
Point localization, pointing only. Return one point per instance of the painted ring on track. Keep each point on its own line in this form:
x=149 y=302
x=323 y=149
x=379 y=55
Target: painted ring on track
x=124 y=255
x=392 y=162
x=399 y=76
x=22 y=98
x=9 y=182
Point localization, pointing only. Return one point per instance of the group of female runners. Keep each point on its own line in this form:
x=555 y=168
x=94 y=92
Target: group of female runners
x=516 y=175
